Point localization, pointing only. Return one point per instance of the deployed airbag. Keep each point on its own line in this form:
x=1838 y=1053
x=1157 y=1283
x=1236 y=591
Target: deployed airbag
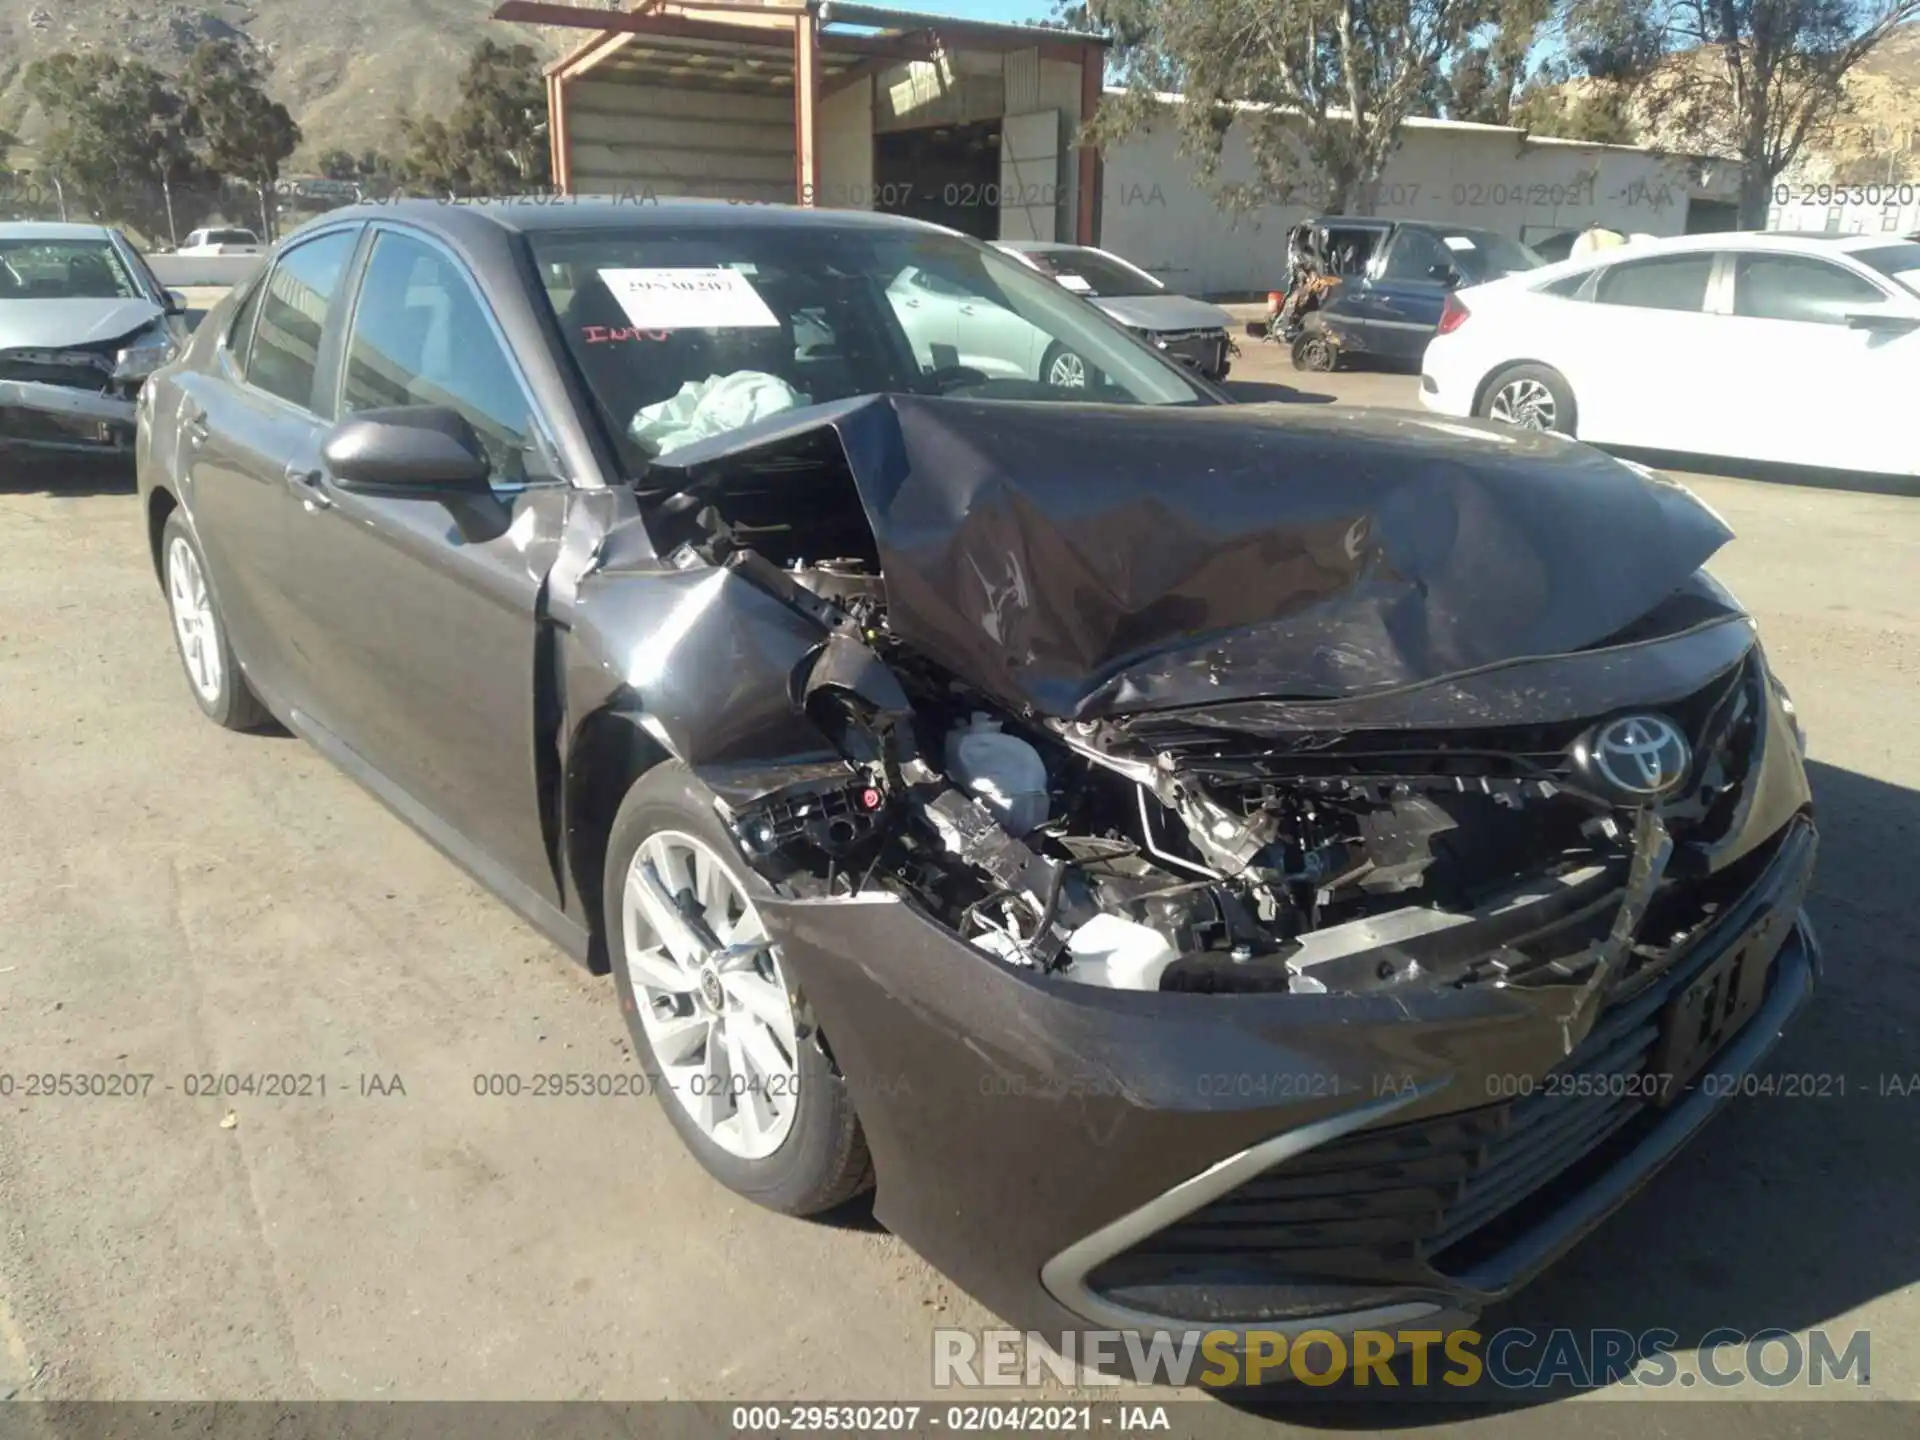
x=714 y=406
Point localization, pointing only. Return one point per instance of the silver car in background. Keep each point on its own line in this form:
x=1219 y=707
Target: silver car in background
x=1190 y=331
x=83 y=322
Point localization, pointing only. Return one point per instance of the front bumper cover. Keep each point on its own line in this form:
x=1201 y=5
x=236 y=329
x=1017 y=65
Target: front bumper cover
x=66 y=410
x=1026 y=1131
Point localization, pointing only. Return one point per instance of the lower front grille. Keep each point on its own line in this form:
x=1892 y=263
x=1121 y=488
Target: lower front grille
x=1439 y=1198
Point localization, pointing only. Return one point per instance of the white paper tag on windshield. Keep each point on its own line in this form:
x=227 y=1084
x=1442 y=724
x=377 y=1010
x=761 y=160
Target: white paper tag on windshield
x=1075 y=283
x=1457 y=242
x=688 y=299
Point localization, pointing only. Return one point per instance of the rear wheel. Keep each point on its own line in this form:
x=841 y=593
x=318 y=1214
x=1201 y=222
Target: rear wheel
x=1314 y=351
x=719 y=1027
x=200 y=636
x=1063 y=368
x=1529 y=397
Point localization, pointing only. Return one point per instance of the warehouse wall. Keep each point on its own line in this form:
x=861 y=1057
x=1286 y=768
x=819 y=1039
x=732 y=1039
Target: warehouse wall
x=845 y=155
x=632 y=139
x=1488 y=177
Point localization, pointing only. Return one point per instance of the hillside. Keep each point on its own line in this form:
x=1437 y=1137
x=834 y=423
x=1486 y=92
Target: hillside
x=346 y=68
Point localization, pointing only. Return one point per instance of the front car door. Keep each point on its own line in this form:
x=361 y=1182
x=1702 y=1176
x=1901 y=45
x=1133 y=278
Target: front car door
x=246 y=426
x=1645 y=370
x=418 y=630
x=1818 y=386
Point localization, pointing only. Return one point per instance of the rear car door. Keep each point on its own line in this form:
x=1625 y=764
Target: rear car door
x=418 y=632
x=247 y=425
x=1645 y=370
x=1819 y=386
x=1408 y=290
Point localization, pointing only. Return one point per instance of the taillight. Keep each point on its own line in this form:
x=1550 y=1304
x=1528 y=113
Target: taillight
x=1452 y=315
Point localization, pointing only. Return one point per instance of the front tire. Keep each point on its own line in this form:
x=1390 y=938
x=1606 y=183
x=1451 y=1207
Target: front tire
x=723 y=1034
x=200 y=635
x=1530 y=397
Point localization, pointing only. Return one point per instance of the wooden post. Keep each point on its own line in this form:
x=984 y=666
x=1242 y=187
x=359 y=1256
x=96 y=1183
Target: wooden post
x=559 y=152
x=806 y=105
x=1086 y=219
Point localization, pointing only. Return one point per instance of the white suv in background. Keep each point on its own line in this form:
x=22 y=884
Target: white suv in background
x=1799 y=348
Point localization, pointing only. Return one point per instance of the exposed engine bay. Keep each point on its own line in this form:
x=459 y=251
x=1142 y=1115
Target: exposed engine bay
x=1180 y=849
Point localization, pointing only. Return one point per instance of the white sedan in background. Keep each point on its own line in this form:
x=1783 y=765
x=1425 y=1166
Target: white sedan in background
x=1798 y=348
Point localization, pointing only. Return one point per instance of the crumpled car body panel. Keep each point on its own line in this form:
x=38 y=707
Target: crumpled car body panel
x=1080 y=561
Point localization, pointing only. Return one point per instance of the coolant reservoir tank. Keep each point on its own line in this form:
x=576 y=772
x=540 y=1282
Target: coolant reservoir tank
x=1112 y=951
x=1003 y=772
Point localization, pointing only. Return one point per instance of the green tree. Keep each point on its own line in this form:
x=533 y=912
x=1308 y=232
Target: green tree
x=495 y=140
x=1578 y=109
x=122 y=141
x=1755 y=80
x=1486 y=80
x=338 y=165
x=1318 y=88
x=246 y=134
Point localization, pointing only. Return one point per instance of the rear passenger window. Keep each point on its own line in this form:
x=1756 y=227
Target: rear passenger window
x=1668 y=282
x=1567 y=287
x=421 y=337
x=1792 y=287
x=240 y=332
x=1414 y=256
x=293 y=316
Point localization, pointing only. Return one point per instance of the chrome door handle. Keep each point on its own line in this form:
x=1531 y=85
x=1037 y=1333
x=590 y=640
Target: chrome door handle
x=194 y=427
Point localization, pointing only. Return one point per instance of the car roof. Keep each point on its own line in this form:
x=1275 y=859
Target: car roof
x=51 y=230
x=1788 y=240
x=550 y=214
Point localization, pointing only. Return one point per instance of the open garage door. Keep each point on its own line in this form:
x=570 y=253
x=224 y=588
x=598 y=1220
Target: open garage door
x=1033 y=183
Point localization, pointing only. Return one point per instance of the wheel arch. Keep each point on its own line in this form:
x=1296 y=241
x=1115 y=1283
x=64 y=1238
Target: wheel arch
x=609 y=751
x=1486 y=380
x=161 y=504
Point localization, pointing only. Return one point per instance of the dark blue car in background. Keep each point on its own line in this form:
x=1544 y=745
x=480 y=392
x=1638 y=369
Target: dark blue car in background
x=1396 y=276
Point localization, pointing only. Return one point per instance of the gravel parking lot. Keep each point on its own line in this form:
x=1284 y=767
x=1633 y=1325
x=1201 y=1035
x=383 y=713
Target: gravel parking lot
x=184 y=903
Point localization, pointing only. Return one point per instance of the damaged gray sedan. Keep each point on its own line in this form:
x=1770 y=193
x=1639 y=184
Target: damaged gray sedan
x=1205 y=866
x=83 y=323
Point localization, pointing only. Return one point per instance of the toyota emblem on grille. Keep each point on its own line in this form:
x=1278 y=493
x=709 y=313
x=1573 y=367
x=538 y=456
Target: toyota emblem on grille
x=1636 y=758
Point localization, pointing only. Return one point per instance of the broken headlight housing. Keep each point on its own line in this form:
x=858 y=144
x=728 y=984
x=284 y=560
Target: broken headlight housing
x=149 y=351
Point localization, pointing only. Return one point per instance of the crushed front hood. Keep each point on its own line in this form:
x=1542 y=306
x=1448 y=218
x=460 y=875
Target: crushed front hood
x=60 y=324
x=1161 y=313
x=1078 y=561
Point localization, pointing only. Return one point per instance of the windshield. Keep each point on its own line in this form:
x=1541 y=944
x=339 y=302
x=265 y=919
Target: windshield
x=64 y=270
x=229 y=237
x=684 y=334
x=1088 y=272
x=1482 y=255
x=1899 y=263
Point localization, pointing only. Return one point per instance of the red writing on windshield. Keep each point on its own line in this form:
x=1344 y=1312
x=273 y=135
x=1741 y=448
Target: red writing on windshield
x=608 y=335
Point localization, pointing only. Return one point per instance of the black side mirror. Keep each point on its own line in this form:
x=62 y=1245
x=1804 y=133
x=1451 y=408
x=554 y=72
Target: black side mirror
x=426 y=452
x=176 y=303
x=1882 y=322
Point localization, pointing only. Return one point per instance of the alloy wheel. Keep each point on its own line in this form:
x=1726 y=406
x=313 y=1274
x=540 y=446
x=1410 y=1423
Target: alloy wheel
x=1525 y=403
x=710 y=995
x=1068 y=371
x=194 y=623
